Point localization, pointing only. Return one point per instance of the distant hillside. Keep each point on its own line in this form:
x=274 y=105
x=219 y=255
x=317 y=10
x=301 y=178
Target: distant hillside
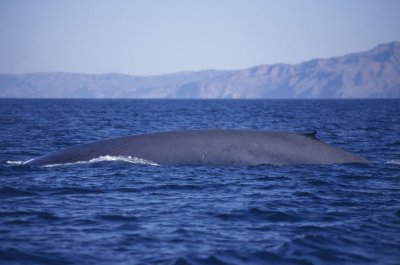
x=371 y=74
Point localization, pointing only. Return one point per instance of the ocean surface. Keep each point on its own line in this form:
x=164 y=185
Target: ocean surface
x=121 y=211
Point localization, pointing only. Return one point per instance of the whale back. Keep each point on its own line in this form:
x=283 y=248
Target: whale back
x=209 y=147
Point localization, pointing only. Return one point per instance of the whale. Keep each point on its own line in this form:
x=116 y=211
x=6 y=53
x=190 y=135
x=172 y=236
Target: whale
x=218 y=147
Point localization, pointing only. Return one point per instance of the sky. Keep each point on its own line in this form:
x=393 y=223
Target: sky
x=152 y=37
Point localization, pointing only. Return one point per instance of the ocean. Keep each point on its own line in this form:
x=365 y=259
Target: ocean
x=119 y=211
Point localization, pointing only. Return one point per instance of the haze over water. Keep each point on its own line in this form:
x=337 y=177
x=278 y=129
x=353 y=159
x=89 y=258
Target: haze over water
x=160 y=37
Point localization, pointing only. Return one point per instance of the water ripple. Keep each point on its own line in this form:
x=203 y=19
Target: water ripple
x=114 y=212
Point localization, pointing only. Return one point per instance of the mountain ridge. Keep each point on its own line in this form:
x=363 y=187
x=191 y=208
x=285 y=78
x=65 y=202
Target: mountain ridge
x=370 y=74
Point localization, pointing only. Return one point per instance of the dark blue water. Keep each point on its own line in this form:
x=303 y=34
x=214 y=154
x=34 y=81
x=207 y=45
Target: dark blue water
x=115 y=212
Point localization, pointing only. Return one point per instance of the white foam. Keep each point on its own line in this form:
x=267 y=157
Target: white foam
x=393 y=162
x=128 y=159
x=16 y=162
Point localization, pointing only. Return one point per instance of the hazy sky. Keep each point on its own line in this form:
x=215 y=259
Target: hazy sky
x=162 y=36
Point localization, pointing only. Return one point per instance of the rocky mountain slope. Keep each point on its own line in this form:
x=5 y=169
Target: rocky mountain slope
x=371 y=74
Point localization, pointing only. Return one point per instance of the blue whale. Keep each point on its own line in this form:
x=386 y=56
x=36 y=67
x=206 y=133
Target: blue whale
x=209 y=147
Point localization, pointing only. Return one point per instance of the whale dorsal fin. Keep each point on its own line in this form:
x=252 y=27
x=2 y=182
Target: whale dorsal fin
x=312 y=135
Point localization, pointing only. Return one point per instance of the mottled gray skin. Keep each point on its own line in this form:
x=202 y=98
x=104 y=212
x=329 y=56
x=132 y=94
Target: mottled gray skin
x=209 y=147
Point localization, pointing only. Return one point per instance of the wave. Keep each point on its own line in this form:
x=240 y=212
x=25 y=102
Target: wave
x=11 y=191
x=255 y=213
x=393 y=162
x=127 y=159
x=10 y=162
